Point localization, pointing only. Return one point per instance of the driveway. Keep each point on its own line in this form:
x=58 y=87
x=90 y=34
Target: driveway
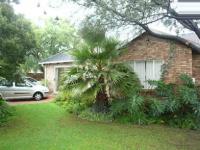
x=29 y=101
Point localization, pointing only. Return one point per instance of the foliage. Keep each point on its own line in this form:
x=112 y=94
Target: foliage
x=92 y=33
x=137 y=15
x=129 y=110
x=156 y=108
x=187 y=121
x=163 y=89
x=10 y=1
x=5 y=112
x=53 y=37
x=17 y=40
x=71 y=104
x=179 y=106
x=175 y=105
x=187 y=81
x=124 y=12
x=96 y=73
x=91 y=115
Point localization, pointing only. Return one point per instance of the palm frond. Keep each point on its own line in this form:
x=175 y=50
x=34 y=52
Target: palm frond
x=81 y=55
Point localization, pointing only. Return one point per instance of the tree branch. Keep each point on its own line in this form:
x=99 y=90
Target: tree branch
x=170 y=37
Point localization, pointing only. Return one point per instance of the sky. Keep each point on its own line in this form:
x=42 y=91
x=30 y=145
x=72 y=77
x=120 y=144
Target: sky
x=38 y=10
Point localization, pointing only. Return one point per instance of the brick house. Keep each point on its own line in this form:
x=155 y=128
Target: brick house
x=150 y=57
x=153 y=58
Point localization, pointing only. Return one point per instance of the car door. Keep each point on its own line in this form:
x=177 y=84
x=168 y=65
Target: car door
x=23 y=90
x=6 y=89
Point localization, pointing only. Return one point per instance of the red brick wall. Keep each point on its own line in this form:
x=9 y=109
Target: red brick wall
x=177 y=57
x=196 y=67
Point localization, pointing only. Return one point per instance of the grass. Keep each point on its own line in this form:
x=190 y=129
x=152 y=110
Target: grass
x=48 y=127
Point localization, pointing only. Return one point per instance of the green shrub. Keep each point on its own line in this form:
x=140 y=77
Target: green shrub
x=196 y=109
x=119 y=107
x=90 y=115
x=162 y=89
x=129 y=110
x=187 y=95
x=5 y=112
x=174 y=105
x=187 y=121
x=71 y=104
x=132 y=105
x=187 y=81
x=179 y=105
x=156 y=107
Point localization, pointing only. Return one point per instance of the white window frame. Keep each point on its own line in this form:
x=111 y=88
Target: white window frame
x=134 y=66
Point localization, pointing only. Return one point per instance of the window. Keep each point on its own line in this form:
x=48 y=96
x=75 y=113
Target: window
x=22 y=84
x=4 y=82
x=147 y=70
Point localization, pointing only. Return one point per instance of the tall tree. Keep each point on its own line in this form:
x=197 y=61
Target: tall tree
x=141 y=13
x=16 y=41
x=56 y=35
x=96 y=72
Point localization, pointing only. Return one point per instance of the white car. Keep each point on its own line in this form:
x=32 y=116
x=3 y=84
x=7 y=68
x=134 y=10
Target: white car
x=22 y=90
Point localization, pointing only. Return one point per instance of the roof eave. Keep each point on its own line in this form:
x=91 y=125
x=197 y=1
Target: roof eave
x=55 y=62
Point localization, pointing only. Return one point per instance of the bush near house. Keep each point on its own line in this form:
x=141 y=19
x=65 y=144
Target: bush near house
x=99 y=88
x=173 y=105
x=177 y=105
x=5 y=112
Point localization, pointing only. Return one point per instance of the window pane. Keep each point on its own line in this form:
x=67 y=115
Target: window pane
x=21 y=84
x=148 y=70
x=139 y=69
x=157 y=69
x=150 y=75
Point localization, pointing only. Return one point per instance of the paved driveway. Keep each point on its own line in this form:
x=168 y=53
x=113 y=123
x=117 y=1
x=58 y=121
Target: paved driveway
x=30 y=101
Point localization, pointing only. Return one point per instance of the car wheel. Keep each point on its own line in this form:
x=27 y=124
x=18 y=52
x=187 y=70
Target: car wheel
x=38 y=96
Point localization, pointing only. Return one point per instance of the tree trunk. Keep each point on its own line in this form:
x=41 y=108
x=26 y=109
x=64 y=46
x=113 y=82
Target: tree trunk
x=101 y=103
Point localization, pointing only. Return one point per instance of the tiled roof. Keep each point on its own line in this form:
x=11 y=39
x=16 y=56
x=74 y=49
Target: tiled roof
x=58 y=58
x=192 y=37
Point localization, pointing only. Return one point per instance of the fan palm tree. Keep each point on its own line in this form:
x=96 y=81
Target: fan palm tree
x=96 y=72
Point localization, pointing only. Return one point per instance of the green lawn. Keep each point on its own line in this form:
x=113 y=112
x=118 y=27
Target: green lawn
x=48 y=127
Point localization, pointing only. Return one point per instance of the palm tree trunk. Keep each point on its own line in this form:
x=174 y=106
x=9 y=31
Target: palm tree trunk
x=101 y=103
